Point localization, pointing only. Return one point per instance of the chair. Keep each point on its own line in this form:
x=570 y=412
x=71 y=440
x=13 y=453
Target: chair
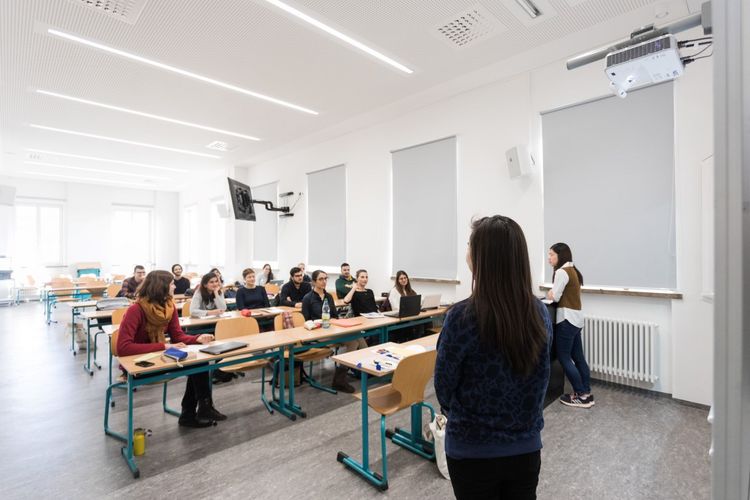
x=186 y=309
x=272 y=289
x=406 y=390
x=113 y=290
x=237 y=327
x=27 y=287
x=123 y=385
x=117 y=316
x=310 y=355
x=97 y=288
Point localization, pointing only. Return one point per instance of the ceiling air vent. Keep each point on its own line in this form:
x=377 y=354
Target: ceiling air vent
x=469 y=27
x=123 y=10
x=222 y=146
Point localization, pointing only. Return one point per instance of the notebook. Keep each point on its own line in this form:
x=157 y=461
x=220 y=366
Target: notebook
x=347 y=322
x=223 y=347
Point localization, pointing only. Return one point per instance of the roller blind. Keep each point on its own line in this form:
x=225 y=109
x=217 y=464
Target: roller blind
x=265 y=242
x=424 y=209
x=326 y=210
x=609 y=187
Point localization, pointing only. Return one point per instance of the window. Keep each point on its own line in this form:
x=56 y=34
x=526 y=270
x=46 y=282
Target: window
x=326 y=217
x=38 y=235
x=217 y=244
x=424 y=210
x=609 y=187
x=265 y=246
x=132 y=237
x=190 y=236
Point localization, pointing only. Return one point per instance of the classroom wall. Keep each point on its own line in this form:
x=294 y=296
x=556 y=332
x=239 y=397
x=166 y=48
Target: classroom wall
x=87 y=217
x=487 y=121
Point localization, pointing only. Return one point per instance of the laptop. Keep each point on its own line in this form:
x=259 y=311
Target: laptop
x=409 y=305
x=223 y=347
x=431 y=302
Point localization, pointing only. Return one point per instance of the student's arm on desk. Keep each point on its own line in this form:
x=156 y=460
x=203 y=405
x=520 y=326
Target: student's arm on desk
x=450 y=355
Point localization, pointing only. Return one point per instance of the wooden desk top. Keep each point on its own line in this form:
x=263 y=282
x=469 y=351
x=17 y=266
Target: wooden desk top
x=364 y=357
x=425 y=314
x=306 y=335
x=257 y=342
x=209 y=320
x=83 y=286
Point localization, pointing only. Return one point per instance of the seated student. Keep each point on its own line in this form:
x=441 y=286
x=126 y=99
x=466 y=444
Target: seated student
x=401 y=289
x=229 y=290
x=266 y=275
x=181 y=283
x=250 y=296
x=345 y=282
x=208 y=299
x=360 y=297
x=312 y=308
x=130 y=285
x=305 y=276
x=294 y=290
x=142 y=330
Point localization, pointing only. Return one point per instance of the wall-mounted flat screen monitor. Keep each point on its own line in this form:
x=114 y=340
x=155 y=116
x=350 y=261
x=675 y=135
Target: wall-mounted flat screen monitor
x=242 y=200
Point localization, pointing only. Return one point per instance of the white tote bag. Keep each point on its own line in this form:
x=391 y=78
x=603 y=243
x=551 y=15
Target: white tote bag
x=435 y=431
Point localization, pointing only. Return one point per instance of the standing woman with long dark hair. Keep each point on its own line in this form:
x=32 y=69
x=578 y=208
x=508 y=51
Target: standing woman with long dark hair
x=566 y=291
x=492 y=369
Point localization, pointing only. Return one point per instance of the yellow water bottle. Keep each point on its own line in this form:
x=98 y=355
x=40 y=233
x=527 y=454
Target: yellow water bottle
x=139 y=442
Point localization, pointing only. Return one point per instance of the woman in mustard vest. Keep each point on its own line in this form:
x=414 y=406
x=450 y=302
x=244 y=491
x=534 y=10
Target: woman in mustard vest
x=566 y=291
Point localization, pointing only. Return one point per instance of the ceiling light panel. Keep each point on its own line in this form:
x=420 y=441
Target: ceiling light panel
x=146 y=115
x=105 y=160
x=173 y=69
x=90 y=180
x=316 y=23
x=521 y=9
x=123 y=10
x=98 y=170
x=469 y=27
x=122 y=141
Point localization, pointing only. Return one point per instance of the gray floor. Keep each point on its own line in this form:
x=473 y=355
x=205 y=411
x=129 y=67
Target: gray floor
x=631 y=445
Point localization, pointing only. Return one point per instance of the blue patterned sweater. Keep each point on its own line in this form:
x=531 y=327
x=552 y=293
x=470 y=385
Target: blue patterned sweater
x=491 y=411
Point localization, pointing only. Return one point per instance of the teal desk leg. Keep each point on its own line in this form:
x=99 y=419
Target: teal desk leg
x=363 y=469
x=281 y=405
x=413 y=440
x=127 y=451
x=87 y=366
x=73 y=330
x=292 y=406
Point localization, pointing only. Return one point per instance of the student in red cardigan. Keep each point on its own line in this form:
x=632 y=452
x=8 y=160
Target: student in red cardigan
x=143 y=330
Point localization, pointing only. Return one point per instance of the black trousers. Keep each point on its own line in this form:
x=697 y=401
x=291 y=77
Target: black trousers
x=196 y=389
x=496 y=478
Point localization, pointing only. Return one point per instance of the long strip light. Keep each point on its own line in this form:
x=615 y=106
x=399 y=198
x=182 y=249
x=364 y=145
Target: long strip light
x=123 y=141
x=90 y=180
x=99 y=170
x=179 y=71
x=108 y=160
x=146 y=115
x=341 y=36
x=529 y=7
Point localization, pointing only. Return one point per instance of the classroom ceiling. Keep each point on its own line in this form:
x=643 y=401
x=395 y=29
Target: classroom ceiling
x=52 y=88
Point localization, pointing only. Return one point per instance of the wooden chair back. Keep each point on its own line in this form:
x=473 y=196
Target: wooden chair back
x=113 y=342
x=411 y=377
x=113 y=290
x=235 y=327
x=297 y=319
x=61 y=283
x=272 y=288
x=118 y=315
x=186 y=309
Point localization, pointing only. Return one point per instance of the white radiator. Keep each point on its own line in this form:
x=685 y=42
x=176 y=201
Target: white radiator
x=621 y=348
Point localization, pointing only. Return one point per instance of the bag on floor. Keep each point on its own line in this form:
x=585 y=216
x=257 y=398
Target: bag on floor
x=435 y=432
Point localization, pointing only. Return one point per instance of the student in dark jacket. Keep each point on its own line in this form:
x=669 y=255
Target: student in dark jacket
x=250 y=296
x=181 y=283
x=492 y=369
x=295 y=289
x=360 y=297
x=143 y=330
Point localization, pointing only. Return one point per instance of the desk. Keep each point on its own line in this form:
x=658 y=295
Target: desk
x=50 y=295
x=260 y=346
x=409 y=440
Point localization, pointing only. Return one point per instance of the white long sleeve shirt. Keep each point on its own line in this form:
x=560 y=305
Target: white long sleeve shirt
x=574 y=317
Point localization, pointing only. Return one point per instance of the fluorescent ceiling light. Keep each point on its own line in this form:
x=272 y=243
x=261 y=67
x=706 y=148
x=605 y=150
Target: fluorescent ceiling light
x=109 y=160
x=179 y=71
x=91 y=180
x=344 y=38
x=147 y=115
x=124 y=141
x=531 y=9
x=85 y=169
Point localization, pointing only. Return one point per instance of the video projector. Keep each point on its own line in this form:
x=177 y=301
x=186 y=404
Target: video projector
x=653 y=61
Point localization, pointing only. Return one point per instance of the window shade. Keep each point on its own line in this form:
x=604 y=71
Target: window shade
x=326 y=212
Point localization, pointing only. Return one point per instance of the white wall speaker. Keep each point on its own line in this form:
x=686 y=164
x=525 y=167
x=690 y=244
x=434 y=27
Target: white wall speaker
x=223 y=210
x=519 y=161
x=7 y=195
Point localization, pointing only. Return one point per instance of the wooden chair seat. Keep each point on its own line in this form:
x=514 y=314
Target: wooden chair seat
x=243 y=367
x=310 y=355
x=384 y=399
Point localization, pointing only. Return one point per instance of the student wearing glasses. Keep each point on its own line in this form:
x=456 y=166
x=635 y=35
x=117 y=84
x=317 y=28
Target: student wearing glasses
x=181 y=283
x=295 y=289
x=403 y=288
x=360 y=297
x=312 y=308
x=305 y=277
x=130 y=285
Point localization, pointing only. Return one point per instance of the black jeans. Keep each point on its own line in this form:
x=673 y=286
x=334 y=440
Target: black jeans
x=496 y=478
x=196 y=389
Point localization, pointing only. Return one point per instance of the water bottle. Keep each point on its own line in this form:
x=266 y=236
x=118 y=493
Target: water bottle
x=326 y=314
